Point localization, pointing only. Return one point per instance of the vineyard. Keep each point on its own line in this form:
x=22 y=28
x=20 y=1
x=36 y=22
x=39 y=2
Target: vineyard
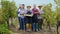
x=9 y=21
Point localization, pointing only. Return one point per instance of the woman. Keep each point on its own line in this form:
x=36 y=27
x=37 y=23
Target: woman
x=21 y=12
x=29 y=15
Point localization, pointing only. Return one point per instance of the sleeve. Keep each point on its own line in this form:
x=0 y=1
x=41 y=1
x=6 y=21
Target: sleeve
x=18 y=11
x=39 y=11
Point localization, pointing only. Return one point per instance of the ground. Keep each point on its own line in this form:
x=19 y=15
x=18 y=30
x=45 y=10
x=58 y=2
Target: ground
x=46 y=31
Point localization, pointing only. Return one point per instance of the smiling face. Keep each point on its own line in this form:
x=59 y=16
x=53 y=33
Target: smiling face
x=28 y=7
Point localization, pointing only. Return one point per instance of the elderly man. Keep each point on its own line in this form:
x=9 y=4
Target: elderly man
x=34 y=18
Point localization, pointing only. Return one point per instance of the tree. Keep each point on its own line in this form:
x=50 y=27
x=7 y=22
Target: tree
x=9 y=10
x=12 y=10
x=49 y=15
x=58 y=13
x=58 y=18
x=57 y=2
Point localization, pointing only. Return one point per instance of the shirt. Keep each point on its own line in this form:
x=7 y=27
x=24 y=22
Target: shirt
x=35 y=10
x=21 y=12
x=41 y=13
x=30 y=12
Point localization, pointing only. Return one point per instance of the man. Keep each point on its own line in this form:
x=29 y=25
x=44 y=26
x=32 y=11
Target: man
x=35 y=19
x=40 y=20
x=21 y=11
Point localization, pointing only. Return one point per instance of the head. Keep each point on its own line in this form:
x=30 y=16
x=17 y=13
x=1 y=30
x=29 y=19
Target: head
x=21 y=6
x=28 y=7
x=34 y=5
x=40 y=7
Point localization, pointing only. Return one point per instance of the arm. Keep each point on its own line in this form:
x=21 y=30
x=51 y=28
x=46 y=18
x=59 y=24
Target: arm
x=29 y=14
x=37 y=12
x=18 y=11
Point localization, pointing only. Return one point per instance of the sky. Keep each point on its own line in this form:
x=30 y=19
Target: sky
x=32 y=2
x=37 y=2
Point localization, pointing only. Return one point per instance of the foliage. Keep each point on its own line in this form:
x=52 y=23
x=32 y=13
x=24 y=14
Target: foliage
x=57 y=2
x=58 y=13
x=4 y=29
x=7 y=10
x=49 y=15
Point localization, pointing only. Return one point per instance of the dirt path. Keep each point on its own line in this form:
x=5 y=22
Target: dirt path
x=15 y=31
x=44 y=31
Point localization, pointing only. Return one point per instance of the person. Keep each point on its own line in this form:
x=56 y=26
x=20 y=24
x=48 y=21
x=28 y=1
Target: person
x=35 y=19
x=40 y=20
x=21 y=11
x=29 y=15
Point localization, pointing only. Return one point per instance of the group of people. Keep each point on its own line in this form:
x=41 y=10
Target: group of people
x=28 y=19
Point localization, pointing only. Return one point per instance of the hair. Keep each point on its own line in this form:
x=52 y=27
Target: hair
x=23 y=5
x=19 y=6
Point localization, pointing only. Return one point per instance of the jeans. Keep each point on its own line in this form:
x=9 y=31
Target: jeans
x=35 y=23
x=25 y=20
x=21 y=23
x=40 y=24
x=34 y=26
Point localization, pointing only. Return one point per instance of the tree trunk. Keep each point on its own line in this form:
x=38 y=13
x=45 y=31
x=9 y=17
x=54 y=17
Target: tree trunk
x=58 y=24
x=0 y=22
x=11 y=20
x=57 y=29
x=8 y=23
x=48 y=24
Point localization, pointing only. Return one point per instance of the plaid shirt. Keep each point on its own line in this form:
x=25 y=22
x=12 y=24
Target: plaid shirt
x=35 y=10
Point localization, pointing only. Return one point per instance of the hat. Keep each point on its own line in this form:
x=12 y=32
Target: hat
x=29 y=6
x=40 y=6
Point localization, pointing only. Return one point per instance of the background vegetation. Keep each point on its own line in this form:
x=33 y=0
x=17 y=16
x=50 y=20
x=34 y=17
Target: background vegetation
x=8 y=13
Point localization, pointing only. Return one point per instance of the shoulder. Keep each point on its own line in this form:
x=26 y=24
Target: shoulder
x=18 y=9
x=37 y=9
x=25 y=10
x=32 y=8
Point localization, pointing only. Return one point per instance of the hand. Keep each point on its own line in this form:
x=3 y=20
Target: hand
x=21 y=14
x=36 y=12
